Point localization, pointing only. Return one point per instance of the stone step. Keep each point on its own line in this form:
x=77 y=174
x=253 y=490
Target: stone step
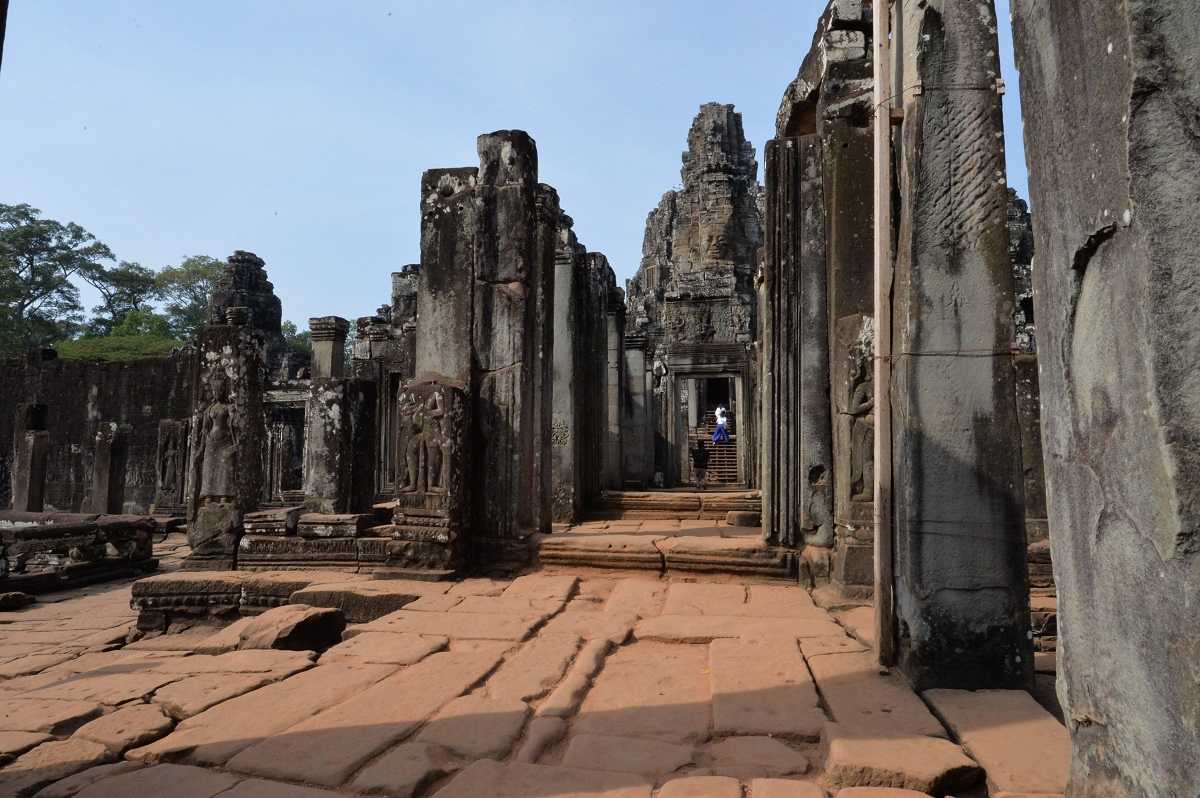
x=738 y=556
x=652 y=505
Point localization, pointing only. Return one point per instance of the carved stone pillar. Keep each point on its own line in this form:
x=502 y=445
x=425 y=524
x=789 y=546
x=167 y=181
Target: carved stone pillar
x=329 y=344
x=228 y=441
x=614 y=457
x=433 y=483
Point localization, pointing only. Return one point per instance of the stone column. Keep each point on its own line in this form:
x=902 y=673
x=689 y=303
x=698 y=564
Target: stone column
x=228 y=440
x=797 y=456
x=329 y=346
x=29 y=471
x=1109 y=94
x=566 y=422
x=541 y=358
x=600 y=283
x=614 y=456
x=959 y=523
x=108 y=468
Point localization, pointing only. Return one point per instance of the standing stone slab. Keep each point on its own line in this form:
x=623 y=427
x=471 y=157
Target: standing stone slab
x=959 y=521
x=1116 y=292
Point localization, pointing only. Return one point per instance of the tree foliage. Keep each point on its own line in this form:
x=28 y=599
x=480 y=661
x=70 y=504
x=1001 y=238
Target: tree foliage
x=185 y=290
x=125 y=289
x=300 y=342
x=38 y=258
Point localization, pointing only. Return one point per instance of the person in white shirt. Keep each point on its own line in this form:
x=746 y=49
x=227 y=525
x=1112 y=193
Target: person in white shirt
x=721 y=434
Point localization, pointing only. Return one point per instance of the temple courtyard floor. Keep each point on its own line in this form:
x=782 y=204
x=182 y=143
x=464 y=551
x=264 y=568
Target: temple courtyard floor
x=567 y=681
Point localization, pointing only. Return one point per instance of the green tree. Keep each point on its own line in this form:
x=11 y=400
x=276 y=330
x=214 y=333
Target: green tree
x=300 y=342
x=125 y=289
x=38 y=257
x=186 y=289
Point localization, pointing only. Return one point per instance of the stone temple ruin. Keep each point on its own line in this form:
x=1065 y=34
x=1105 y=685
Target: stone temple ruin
x=930 y=389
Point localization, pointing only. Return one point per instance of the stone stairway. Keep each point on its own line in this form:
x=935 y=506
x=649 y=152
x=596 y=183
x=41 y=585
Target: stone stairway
x=672 y=505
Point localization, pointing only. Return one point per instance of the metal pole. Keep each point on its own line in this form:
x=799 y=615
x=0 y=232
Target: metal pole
x=885 y=611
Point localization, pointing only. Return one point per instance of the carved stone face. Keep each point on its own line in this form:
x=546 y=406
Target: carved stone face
x=218 y=385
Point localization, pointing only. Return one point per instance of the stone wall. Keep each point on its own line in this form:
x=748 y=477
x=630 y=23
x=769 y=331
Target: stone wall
x=1110 y=91
x=72 y=400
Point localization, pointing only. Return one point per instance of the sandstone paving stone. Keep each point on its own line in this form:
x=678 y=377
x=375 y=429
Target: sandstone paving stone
x=217 y=734
x=127 y=727
x=880 y=792
x=47 y=716
x=33 y=663
x=1021 y=747
x=169 y=781
x=651 y=691
x=542 y=587
x=640 y=598
x=858 y=757
x=405 y=771
x=362 y=602
x=860 y=622
x=508 y=605
x=442 y=603
x=818 y=646
x=535 y=668
x=458 y=625
x=702 y=787
x=748 y=757
x=565 y=699
x=329 y=746
x=194 y=694
x=260 y=788
x=72 y=785
x=781 y=601
x=592 y=626
x=95 y=660
x=626 y=755
x=763 y=688
x=15 y=743
x=49 y=762
x=686 y=598
x=541 y=733
x=474 y=727
x=706 y=628
x=107 y=687
x=519 y=780
x=478 y=587
x=858 y=696
x=786 y=788
x=385 y=648
x=188 y=640
x=250 y=661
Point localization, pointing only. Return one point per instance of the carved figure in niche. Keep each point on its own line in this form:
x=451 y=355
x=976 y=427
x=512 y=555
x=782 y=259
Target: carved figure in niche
x=425 y=438
x=168 y=466
x=862 y=442
x=216 y=453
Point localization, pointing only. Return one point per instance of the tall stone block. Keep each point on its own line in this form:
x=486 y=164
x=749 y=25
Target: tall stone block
x=1117 y=287
x=961 y=583
x=228 y=441
x=339 y=427
x=614 y=455
x=29 y=470
x=108 y=468
x=328 y=344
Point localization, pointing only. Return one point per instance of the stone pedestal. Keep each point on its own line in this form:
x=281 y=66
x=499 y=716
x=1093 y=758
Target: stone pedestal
x=329 y=344
x=108 y=468
x=338 y=445
x=433 y=483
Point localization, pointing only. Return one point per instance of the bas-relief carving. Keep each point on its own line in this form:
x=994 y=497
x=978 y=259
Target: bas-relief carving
x=424 y=441
x=862 y=442
x=216 y=454
x=169 y=470
x=854 y=422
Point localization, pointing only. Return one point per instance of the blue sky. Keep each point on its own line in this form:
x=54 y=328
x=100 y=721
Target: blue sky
x=299 y=129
